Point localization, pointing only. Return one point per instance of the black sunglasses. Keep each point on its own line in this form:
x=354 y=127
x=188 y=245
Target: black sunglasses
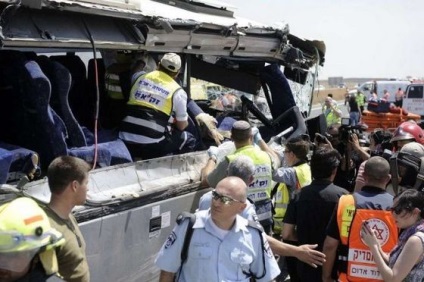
x=398 y=209
x=226 y=200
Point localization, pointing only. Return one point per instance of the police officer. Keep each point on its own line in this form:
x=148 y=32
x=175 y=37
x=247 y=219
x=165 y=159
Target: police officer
x=223 y=246
x=157 y=113
x=27 y=243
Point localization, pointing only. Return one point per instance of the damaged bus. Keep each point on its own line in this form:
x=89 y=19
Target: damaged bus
x=62 y=91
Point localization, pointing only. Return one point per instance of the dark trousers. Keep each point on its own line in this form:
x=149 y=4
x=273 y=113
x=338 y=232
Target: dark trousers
x=179 y=142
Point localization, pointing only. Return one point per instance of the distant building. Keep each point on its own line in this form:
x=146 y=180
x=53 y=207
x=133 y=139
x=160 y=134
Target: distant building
x=335 y=81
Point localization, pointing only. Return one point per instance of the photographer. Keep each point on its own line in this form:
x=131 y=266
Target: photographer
x=346 y=142
x=379 y=142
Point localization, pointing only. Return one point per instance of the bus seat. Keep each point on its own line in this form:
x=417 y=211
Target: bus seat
x=6 y=158
x=60 y=80
x=41 y=129
x=16 y=162
x=80 y=100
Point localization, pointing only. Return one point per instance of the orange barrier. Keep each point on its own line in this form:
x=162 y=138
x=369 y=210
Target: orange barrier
x=386 y=120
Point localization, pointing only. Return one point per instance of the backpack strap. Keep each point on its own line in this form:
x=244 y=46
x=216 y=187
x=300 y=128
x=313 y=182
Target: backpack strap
x=180 y=219
x=255 y=225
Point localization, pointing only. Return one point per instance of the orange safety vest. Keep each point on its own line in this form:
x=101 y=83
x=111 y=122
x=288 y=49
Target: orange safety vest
x=356 y=262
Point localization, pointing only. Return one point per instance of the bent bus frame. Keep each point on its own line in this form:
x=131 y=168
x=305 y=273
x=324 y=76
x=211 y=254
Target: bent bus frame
x=131 y=207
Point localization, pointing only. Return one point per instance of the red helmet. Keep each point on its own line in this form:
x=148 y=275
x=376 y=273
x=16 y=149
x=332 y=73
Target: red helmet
x=408 y=131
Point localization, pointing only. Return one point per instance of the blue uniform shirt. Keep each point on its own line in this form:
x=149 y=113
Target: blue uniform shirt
x=213 y=259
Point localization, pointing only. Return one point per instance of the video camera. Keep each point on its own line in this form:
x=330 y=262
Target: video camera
x=346 y=130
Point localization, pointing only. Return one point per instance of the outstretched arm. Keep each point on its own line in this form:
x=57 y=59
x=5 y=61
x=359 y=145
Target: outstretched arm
x=305 y=253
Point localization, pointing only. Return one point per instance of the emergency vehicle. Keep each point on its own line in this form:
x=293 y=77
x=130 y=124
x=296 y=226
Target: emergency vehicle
x=52 y=86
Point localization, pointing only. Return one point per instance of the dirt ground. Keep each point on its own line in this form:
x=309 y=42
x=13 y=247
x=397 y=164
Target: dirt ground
x=338 y=95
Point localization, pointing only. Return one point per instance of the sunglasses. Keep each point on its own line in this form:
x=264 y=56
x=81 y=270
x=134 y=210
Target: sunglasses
x=224 y=199
x=398 y=210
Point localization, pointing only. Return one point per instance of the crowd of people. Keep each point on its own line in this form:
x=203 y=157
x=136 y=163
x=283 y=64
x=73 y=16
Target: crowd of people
x=328 y=209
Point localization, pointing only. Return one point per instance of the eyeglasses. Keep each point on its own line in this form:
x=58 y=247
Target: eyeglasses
x=226 y=200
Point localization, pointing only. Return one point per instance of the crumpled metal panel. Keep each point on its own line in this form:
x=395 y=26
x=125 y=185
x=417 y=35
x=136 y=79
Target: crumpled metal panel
x=126 y=182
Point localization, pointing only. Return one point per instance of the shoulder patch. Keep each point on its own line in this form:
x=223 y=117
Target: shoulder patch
x=171 y=240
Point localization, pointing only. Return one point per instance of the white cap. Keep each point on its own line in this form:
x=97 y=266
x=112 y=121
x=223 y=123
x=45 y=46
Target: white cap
x=171 y=62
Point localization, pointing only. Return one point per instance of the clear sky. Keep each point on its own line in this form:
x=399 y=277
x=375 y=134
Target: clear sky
x=364 y=38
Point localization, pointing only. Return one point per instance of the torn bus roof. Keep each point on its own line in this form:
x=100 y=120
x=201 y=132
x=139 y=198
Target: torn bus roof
x=192 y=27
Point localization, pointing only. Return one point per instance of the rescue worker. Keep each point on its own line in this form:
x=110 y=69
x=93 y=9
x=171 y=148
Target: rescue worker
x=259 y=190
x=407 y=132
x=291 y=179
x=407 y=164
x=157 y=113
x=223 y=245
x=27 y=243
x=331 y=112
x=360 y=100
x=343 y=239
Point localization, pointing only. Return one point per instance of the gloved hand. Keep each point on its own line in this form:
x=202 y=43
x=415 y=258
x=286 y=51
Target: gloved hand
x=213 y=152
x=257 y=137
x=210 y=123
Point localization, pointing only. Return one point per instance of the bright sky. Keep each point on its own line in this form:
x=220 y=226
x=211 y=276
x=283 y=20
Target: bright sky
x=364 y=38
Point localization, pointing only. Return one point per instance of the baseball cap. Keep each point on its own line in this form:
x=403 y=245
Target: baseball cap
x=171 y=62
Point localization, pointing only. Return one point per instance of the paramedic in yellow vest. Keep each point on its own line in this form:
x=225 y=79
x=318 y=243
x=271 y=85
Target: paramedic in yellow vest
x=157 y=113
x=343 y=242
x=296 y=175
x=259 y=189
x=360 y=100
x=331 y=111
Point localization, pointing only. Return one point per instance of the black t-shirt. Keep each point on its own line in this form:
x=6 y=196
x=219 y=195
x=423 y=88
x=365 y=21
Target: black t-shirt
x=310 y=211
x=372 y=198
x=353 y=105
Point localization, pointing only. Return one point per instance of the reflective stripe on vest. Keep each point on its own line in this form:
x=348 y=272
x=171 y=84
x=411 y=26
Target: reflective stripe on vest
x=260 y=188
x=282 y=196
x=149 y=108
x=154 y=90
x=359 y=259
x=113 y=86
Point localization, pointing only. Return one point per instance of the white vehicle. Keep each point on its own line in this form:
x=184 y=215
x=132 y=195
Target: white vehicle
x=414 y=99
x=131 y=206
x=378 y=86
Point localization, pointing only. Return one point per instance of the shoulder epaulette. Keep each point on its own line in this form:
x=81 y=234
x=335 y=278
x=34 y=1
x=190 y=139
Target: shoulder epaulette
x=255 y=225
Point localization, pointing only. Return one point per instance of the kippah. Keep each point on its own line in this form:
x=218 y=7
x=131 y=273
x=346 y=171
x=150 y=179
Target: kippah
x=241 y=125
x=241 y=130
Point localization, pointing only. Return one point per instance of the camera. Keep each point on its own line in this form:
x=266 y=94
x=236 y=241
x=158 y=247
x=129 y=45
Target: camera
x=345 y=121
